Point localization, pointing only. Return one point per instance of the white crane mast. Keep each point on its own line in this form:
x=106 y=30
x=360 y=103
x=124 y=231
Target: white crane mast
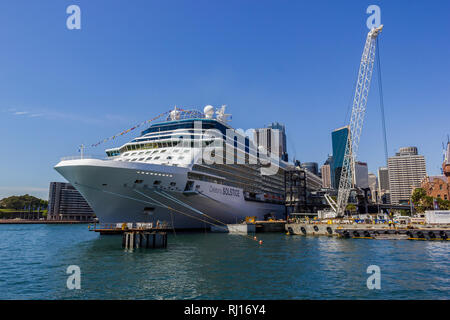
x=356 y=120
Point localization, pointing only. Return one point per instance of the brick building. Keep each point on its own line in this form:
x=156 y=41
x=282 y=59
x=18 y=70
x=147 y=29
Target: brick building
x=439 y=186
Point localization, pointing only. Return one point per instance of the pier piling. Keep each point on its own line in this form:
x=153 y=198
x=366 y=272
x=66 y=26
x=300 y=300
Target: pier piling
x=148 y=240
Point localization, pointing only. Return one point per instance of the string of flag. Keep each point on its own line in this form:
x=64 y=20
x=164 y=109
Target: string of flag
x=186 y=112
x=129 y=130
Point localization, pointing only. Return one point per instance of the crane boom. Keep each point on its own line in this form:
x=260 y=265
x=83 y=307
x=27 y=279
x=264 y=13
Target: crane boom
x=357 y=119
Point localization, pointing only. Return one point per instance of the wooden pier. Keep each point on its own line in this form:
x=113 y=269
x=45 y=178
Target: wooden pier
x=143 y=239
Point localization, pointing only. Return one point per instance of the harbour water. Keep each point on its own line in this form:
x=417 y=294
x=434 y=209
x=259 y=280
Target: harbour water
x=34 y=259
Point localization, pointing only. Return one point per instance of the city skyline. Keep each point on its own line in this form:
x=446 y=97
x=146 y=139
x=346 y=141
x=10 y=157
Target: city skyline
x=62 y=88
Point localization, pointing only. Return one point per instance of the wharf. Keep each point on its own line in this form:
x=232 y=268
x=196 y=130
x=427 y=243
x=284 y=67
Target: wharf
x=383 y=233
x=370 y=231
x=251 y=227
x=113 y=229
x=270 y=226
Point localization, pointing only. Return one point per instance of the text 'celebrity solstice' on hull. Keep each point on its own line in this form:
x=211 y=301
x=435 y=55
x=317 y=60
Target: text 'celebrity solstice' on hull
x=191 y=170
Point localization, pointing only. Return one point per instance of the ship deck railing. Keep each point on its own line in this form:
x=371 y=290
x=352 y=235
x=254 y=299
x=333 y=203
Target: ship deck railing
x=119 y=228
x=78 y=157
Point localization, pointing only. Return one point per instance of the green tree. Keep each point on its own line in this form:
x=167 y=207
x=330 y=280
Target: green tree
x=351 y=207
x=424 y=202
x=417 y=196
x=443 y=204
x=21 y=202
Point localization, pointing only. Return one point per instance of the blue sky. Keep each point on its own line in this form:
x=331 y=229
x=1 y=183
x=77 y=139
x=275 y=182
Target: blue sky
x=289 y=61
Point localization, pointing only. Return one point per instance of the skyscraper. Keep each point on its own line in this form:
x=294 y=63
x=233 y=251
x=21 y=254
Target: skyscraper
x=339 y=139
x=373 y=185
x=312 y=167
x=406 y=171
x=361 y=175
x=264 y=137
x=326 y=175
x=383 y=185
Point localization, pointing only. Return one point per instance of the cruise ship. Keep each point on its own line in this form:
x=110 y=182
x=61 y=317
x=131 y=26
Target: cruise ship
x=190 y=170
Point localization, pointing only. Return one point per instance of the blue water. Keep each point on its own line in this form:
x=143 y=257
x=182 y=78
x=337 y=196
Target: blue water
x=34 y=258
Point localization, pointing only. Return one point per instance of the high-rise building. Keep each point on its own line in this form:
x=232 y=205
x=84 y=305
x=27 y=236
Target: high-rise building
x=406 y=171
x=339 y=139
x=326 y=175
x=383 y=185
x=312 y=167
x=273 y=136
x=361 y=175
x=66 y=203
x=373 y=185
x=383 y=178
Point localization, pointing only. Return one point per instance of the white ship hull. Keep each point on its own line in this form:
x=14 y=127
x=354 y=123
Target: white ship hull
x=125 y=192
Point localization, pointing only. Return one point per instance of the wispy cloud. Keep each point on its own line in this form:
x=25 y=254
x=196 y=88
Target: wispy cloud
x=55 y=115
x=34 y=115
x=49 y=114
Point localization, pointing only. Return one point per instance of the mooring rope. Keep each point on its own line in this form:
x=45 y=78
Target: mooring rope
x=160 y=204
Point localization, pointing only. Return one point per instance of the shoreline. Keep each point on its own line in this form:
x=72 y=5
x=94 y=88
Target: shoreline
x=24 y=221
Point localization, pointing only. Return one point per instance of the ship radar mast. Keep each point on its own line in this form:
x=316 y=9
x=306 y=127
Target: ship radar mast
x=221 y=115
x=175 y=114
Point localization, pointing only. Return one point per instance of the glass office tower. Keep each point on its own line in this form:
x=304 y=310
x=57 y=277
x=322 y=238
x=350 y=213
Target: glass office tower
x=339 y=139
